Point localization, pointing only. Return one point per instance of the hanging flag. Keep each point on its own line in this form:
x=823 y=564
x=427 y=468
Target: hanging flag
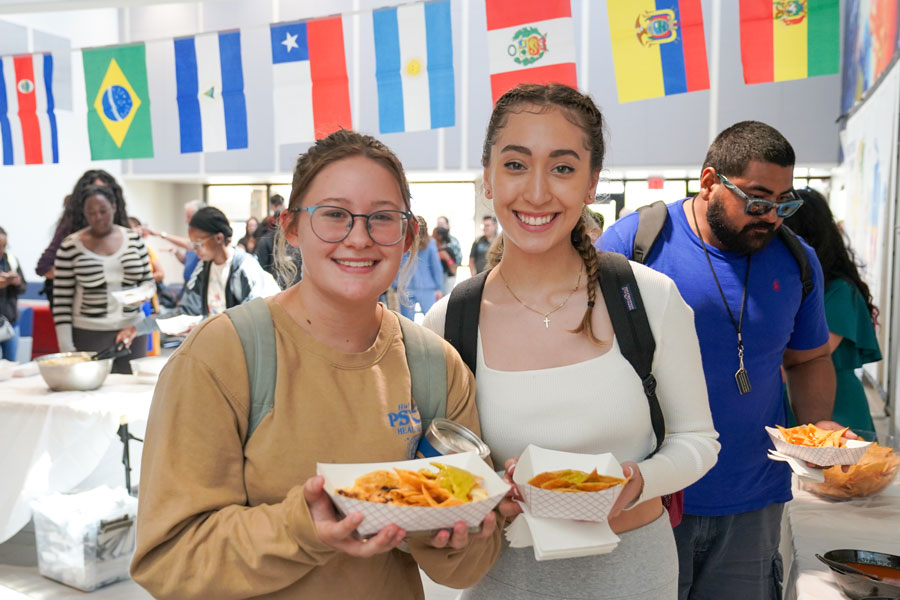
x=530 y=41
x=118 y=101
x=311 y=89
x=414 y=67
x=212 y=110
x=789 y=39
x=28 y=134
x=658 y=47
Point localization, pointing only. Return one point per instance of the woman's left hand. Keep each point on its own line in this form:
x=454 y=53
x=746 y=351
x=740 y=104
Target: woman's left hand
x=459 y=536
x=632 y=490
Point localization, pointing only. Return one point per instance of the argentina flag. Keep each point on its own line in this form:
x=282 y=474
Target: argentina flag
x=212 y=110
x=414 y=67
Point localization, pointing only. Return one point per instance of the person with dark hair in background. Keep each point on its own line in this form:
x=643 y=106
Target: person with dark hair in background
x=12 y=285
x=448 y=260
x=265 y=243
x=223 y=278
x=849 y=309
x=595 y=225
x=102 y=278
x=183 y=250
x=478 y=255
x=744 y=281
x=248 y=242
x=453 y=246
x=72 y=219
x=276 y=205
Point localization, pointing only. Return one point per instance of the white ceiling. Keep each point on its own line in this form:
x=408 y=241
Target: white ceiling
x=30 y=6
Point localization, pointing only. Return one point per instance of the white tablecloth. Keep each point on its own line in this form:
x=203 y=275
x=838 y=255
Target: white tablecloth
x=51 y=441
x=816 y=526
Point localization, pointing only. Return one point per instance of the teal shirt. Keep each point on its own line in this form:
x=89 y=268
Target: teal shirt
x=848 y=316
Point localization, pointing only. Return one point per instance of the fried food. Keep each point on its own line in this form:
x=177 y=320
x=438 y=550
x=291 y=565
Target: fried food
x=810 y=435
x=570 y=480
x=870 y=475
x=449 y=486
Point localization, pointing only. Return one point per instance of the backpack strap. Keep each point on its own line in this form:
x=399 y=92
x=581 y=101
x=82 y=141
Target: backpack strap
x=253 y=323
x=427 y=370
x=629 y=320
x=651 y=219
x=793 y=244
x=461 y=322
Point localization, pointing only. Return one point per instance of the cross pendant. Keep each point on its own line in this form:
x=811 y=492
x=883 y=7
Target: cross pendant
x=547 y=322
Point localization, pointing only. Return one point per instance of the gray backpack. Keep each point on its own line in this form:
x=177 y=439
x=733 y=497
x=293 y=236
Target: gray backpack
x=424 y=354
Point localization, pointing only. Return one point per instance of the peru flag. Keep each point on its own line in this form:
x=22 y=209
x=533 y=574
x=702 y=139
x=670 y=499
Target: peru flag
x=28 y=133
x=530 y=41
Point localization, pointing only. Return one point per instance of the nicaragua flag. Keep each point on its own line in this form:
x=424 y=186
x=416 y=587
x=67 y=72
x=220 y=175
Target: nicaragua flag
x=28 y=133
x=414 y=67
x=309 y=72
x=212 y=110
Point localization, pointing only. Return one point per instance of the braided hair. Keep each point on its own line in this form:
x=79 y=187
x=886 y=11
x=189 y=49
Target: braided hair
x=580 y=110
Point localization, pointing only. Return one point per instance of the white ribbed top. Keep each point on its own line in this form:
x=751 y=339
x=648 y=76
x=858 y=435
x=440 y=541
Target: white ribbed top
x=599 y=405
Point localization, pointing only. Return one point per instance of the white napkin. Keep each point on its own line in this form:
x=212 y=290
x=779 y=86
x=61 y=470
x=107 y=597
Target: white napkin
x=560 y=538
x=26 y=370
x=178 y=325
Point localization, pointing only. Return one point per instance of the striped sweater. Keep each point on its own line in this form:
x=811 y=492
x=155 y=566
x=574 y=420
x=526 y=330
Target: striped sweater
x=84 y=284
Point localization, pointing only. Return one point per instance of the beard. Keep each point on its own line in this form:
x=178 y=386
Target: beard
x=751 y=238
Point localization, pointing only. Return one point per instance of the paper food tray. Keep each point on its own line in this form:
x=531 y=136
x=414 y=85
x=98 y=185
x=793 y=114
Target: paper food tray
x=583 y=506
x=178 y=325
x=560 y=538
x=413 y=518
x=824 y=457
x=133 y=296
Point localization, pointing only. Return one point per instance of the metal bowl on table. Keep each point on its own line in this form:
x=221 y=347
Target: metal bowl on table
x=65 y=371
x=858 y=586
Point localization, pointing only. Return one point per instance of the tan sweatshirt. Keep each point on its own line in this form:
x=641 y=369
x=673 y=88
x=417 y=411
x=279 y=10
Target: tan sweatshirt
x=219 y=521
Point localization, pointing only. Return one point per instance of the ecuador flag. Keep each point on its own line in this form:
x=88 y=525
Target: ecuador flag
x=118 y=104
x=658 y=47
x=789 y=39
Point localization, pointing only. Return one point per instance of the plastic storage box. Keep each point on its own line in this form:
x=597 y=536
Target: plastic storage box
x=85 y=540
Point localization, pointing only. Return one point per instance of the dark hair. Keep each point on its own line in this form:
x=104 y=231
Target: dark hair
x=73 y=218
x=108 y=193
x=134 y=221
x=581 y=111
x=489 y=217
x=814 y=222
x=276 y=199
x=212 y=220
x=2 y=231
x=735 y=147
x=441 y=234
x=341 y=144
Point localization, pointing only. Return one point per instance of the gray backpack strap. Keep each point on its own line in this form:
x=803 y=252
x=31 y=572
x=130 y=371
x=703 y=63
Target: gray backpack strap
x=427 y=368
x=651 y=220
x=254 y=326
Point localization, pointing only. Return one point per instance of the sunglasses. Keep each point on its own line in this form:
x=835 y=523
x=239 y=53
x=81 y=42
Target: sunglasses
x=758 y=207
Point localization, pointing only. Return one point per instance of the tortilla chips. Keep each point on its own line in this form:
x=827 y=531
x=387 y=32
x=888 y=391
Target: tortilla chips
x=874 y=471
x=450 y=486
x=815 y=437
x=570 y=480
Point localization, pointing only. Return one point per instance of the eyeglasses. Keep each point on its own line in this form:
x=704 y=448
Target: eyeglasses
x=333 y=224
x=196 y=245
x=758 y=207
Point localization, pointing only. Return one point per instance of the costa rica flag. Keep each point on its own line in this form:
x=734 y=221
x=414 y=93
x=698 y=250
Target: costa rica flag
x=28 y=132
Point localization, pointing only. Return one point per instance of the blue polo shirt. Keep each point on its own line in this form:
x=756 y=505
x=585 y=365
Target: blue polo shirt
x=776 y=317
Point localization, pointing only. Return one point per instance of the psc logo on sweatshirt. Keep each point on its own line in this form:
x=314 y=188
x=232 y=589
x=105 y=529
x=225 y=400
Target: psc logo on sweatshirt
x=407 y=424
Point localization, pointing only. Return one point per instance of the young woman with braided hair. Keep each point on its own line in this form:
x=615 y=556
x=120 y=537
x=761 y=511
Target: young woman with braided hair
x=545 y=341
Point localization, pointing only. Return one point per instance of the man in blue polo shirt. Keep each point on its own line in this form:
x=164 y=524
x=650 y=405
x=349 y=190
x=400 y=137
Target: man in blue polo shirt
x=752 y=319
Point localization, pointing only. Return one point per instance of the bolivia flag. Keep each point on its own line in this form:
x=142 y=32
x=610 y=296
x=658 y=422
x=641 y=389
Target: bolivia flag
x=312 y=93
x=530 y=41
x=789 y=39
x=658 y=47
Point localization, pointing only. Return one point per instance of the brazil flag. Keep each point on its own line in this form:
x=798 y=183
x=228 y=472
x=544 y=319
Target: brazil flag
x=118 y=103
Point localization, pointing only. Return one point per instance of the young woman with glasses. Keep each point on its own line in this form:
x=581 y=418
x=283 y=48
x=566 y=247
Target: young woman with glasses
x=224 y=517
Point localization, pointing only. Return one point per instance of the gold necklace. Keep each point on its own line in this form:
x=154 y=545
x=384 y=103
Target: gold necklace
x=547 y=314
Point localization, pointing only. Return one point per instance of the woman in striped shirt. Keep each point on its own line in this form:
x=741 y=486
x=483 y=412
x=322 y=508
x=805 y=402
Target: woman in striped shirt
x=102 y=278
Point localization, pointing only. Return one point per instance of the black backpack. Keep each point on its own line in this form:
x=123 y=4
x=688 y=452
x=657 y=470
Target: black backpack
x=626 y=310
x=652 y=219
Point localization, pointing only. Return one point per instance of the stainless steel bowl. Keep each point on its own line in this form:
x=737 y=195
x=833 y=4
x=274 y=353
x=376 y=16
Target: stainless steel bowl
x=61 y=374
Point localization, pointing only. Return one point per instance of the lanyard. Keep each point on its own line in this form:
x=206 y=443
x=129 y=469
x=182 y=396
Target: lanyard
x=740 y=377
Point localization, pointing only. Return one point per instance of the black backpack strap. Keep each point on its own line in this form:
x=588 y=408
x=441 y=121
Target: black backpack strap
x=632 y=329
x=651 y=219
x=793 y=244
x=461 y=321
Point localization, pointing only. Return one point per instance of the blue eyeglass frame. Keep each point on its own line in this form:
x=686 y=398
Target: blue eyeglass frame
x=782 y=209
x=353 y=216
